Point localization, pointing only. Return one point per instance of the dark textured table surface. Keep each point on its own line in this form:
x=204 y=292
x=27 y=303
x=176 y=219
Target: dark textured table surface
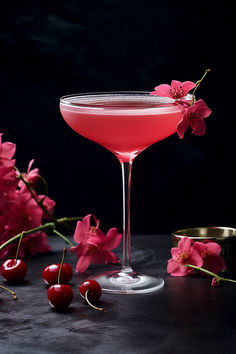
x=186 y=316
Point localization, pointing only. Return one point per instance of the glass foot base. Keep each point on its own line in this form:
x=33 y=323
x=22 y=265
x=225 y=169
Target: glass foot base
x=120 y=282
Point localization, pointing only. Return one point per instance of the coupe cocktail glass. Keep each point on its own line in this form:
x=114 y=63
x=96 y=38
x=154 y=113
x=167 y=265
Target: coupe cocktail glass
x=125 y=123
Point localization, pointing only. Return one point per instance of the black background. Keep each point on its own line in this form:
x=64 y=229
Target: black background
x=52 y=48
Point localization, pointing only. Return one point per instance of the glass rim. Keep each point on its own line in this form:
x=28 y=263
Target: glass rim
x=64 y=99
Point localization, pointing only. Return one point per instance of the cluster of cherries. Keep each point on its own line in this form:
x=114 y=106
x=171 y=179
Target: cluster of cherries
x=57 y=276
x=60 y=294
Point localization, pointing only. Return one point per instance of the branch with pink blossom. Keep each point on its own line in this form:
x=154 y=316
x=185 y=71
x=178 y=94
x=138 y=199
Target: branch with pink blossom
x=193 y=112
x=23 y=214
x=23 y=210
x=198 y=257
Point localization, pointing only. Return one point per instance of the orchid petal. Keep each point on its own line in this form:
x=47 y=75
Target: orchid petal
x=113 y=238
x=214 y=263
x=185 y=244
x=162 y=90
x=195 y=258
x=101 y=236
x=198 y=127
x=82 y=264
x=77 y=249
x=82 y=229
x=174 y=251
x=213 y=248
x=176 y=84
x=111 y=258
x=177 y=269
x=182 y=127
x=30 y=165
x=96 y=221
x=8 y=150
x=187 y=86
x=200 y=109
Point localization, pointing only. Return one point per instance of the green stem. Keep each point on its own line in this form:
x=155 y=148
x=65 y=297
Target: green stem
x=43 y=180
x=71 y=219
x=202 y=270
x=61 y=221
x=18 y=247
x=48 y=227
x=39 y=202
x=62 y=262
x=197 y=84
x=63 y=237
x=210 y=273
x=230 y=280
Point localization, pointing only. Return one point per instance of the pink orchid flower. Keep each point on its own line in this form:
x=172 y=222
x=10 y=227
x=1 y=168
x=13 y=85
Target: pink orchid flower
x=93 y=245
x=183 y=254
x=32 y=176
x=193 y=116
x=48 y=205
x=210 y=253
x=7 y=150
x=22 y=213
x=8 y=177
x=8 y=182
x=176 y=90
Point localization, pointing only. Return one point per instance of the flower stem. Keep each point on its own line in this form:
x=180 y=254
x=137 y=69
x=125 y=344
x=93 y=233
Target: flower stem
x=39 y=202
x=94 y=307
x=197 y=84
x=10 y=291
x=230 y=280
x=65 y=219
x=210 y=273
x=202 y=270
x=19 y=243
x=62 y=262
x=63 y=237
x=48 y=227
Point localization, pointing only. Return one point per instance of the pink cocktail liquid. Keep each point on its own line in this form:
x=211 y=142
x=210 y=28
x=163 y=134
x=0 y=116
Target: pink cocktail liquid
x=124 y=124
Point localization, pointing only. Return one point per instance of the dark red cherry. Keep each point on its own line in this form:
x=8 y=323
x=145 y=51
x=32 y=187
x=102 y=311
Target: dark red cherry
x=60 y=296
x=14 y=271
x=50 y=273
x=93 y=288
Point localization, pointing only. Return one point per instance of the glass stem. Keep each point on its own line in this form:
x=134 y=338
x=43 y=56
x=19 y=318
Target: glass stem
x=126 y=183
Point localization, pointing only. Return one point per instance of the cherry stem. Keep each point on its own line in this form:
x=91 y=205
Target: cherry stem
x=62 y=261
x=19 y=243
x=10 y=291
x=95 y=307
x=198 y=83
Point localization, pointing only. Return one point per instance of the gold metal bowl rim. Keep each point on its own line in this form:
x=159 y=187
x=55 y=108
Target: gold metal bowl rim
x=201 y=233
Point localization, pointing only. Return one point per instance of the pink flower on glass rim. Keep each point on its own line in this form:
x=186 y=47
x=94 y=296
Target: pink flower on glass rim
x=176 y=90
x=183 y=254
x=210 y=253
x=193 y=116
x=93 y=245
